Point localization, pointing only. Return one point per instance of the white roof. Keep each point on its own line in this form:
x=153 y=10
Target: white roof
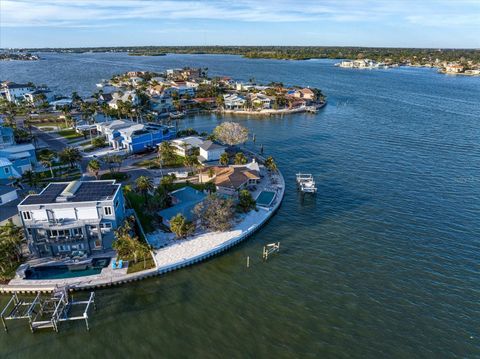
x=15 y=156
x=18 y=148
x=129 y=130
x=4 y=162
x=192 y=141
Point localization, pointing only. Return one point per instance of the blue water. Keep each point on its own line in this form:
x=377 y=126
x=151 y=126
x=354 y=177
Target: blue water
x=382 y=263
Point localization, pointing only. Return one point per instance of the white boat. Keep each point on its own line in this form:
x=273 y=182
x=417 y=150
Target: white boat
x=306 y=183
x=176 y=115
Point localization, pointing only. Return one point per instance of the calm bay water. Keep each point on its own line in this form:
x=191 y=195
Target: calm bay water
x=383 y=262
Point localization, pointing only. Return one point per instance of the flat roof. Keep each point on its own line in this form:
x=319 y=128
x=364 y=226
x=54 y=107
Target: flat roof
x=87 y=191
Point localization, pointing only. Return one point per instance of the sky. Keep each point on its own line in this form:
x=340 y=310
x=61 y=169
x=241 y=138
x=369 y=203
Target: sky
x=383 y=23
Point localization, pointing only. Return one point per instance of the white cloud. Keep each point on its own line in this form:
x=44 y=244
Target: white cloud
x=77 y=13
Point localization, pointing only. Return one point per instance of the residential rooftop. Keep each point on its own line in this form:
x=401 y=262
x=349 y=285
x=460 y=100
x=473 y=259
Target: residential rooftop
x=75 y=191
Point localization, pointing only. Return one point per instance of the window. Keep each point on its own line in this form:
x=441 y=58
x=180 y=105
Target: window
x=98 y=243
x=27 y=215
x=108 y=211
x=117 y=203
x=63 y=248
x=29 y=231
x=7 y=170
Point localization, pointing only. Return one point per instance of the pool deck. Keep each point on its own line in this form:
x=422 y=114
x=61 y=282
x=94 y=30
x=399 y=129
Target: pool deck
x=175 y=255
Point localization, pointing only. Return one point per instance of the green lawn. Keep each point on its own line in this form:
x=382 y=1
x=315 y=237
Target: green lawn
x=60 y=174
x=69 y=134
x=140 y=265
x=60 y=124
x=119 y=176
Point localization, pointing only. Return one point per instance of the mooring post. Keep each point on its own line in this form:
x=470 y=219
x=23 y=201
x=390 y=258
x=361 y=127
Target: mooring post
x=4 y=324
x=86 y=322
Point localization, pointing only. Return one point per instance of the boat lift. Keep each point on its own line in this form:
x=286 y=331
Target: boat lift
x=306 y=183
x=45 y=313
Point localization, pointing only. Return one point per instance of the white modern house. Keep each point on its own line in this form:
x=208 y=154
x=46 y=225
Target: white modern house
x=233 y=102
x=72 y=216
x=111 y=129
x=210 y=151
x=185 y=146
x=16 y=92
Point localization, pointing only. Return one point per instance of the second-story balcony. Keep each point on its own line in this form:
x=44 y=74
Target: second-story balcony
x=61 y=223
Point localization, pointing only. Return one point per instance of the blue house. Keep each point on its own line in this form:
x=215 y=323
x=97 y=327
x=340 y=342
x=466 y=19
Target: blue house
x=6 y=136
x=68 y=217
x=139 y=137
x=7 y=172
x=21 y=157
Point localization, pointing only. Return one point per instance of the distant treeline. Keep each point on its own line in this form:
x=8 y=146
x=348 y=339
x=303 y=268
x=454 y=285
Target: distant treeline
x=395 y=55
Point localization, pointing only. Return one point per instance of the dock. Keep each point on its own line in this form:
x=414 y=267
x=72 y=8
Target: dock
x=47 y=312
x=306 y=183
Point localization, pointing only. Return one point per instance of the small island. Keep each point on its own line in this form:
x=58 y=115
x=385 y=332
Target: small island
x=146 y=53
x=20 y=56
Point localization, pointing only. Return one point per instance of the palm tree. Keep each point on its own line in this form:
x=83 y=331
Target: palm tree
x=190 y=161
x=31 y=178
x=70 y=155
x=11 y=238
x=240 y=158
x=270 y=164
x=144 y=185
x=224 y=159
x=94 y=167
x=46 y=160
x=166 y=152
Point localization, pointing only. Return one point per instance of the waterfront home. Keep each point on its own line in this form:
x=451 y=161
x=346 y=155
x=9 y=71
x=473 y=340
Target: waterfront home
x=229 y=180
x=110 y=130
x=185 y=146
x=38 y=96
x=234 y=102
x=61 y=103
x=181 y=88
x=140 y=137
x=15 y=92
x=210 y=151
x=72 y=216
x=161 y=104
x=305 y=93
x=454 y=69
x=262 y=101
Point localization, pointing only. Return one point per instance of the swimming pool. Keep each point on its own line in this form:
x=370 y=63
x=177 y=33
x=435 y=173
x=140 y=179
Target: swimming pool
x=63 y=271
x=265 y=198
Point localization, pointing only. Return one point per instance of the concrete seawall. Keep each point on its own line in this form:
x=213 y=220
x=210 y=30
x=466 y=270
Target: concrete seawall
x=84 y=283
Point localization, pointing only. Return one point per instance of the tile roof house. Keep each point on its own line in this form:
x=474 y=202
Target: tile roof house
x=229 y=180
